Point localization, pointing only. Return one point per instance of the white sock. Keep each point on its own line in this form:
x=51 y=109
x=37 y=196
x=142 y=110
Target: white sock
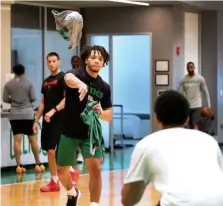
x=55 y=178
x=71 y=169
x=72 y=192
x=94 y=204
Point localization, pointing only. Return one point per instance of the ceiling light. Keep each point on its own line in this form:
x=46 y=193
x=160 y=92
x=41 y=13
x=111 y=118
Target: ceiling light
x=130 y=2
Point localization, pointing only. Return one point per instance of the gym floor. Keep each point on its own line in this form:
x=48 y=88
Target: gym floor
x=23 y=190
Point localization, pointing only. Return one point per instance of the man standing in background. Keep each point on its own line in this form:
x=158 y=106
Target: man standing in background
x=193 y=87
x=20 y=93
x=50 y=108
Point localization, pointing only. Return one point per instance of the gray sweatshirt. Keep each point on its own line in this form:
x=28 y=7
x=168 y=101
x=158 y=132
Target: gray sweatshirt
x=20 y=93
x=193 y=87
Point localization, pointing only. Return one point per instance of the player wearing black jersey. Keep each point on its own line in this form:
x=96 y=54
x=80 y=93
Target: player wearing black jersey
x=83 y=85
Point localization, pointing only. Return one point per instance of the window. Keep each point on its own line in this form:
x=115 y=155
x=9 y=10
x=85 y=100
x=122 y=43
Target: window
x=27 y=43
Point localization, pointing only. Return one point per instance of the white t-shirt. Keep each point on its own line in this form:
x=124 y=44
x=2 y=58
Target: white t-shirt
x=185 y=166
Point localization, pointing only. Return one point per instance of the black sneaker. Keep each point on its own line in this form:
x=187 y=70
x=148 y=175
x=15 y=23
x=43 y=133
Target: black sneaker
x=72 y=201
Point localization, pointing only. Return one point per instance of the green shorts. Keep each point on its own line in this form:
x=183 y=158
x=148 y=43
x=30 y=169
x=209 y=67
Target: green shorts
x=67 y=150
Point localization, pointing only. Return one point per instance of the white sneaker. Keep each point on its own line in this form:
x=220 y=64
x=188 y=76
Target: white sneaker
x=80 y=158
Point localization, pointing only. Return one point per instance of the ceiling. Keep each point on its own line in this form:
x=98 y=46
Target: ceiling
x=88 y=4
x=201 y=5
x=206 y=5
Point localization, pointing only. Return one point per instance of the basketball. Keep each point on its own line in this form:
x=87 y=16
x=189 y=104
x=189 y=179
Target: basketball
x=206 y=112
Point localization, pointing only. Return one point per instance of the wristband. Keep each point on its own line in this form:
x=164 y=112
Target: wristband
x=56 y=109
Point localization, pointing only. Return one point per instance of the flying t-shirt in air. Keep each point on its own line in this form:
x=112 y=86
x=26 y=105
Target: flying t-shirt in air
x=98 y=90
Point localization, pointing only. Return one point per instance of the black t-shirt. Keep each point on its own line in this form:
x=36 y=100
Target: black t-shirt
x=98 y=90
x=53 y=91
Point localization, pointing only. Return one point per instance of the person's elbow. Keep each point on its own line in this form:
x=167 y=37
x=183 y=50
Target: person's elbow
x=6 y=99
x=107 y=115
x=128 y=200
x=69 y=80
x=109 y=119
x=33 y=99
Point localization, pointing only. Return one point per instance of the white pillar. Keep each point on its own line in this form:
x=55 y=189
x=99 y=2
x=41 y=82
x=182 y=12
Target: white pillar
x=191 y=40
x=5 y=43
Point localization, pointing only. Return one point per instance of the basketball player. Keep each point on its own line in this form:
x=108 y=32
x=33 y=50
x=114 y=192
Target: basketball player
x=20 y=93
x=184 y=165
x=50 y=108
x=193 y=87
x=83 y=84
x=76 y=63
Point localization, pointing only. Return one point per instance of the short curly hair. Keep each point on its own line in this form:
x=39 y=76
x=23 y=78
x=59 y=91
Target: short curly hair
x=86 y=52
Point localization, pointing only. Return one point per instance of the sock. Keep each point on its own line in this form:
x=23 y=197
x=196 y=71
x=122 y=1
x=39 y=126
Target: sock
x=72 y=169
x=72 y=192
x=94 y=204
x=55 y=178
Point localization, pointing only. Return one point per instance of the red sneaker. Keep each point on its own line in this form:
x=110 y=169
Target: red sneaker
x=74 y=176
x=51 y=187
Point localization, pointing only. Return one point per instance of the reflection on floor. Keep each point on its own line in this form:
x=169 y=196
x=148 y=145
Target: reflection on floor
x=118 y=161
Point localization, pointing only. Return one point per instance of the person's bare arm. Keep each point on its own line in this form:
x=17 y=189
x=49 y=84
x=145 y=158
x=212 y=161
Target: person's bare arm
x=219 y=157
x=205 y=92
x=132 y=193
x=105 y=110
x=38 y=115
x=40 y=110
x=138 y=176
x=106 y=114
x=59 y=107
x=73 y=82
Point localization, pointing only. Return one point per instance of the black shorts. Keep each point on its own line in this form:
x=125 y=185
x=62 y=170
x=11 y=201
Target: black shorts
x=23 y=126
x=195 y=116
x=50 y=134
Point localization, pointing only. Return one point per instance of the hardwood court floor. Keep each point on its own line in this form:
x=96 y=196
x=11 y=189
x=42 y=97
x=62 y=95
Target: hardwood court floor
x=28 y=194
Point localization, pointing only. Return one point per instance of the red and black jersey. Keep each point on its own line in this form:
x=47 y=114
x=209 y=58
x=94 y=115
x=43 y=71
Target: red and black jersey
x=53 y=91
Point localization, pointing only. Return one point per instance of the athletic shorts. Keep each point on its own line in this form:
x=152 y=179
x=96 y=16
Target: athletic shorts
x=22 y=127
x=195 y=116
x=50 y=134
x=67 y=150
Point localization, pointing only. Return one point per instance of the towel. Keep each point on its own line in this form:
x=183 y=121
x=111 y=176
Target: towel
x=69 y=24
x=91 y=118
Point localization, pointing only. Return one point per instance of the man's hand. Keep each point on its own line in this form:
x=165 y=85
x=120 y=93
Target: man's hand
x=97 y=108
x=49 y=114
x=35 y=127
x=82 y=90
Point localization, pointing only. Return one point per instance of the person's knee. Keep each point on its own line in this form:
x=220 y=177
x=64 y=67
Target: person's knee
x=51 y=153
x=17 y=139
x=62 y=170
x=94 y=166
x=32 y=140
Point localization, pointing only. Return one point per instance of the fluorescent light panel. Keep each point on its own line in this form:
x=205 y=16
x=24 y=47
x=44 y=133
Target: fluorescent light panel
x=131 y=2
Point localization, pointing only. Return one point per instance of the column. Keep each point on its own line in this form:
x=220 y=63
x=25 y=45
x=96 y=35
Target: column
x=191 y=40
x=220 y=77
x=209 y=57
x=5 y=43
